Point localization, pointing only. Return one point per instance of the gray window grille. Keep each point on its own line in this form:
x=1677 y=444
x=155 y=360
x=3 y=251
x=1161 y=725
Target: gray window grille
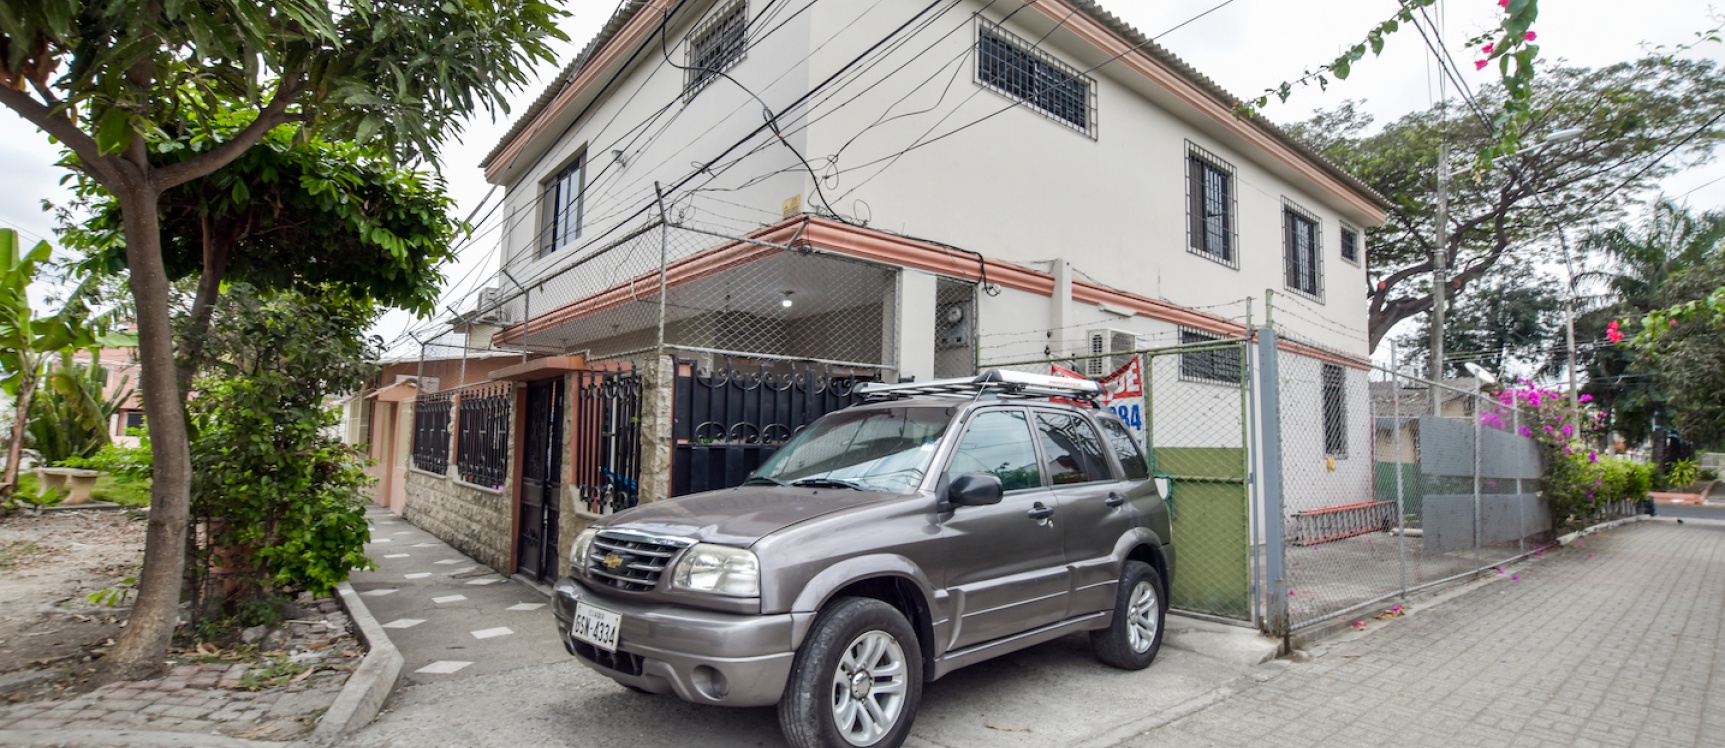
x=716 y=45
x=431 y=433
x=1335 y=413
x=1302 y=251
x=482 y=438
x=562 y=207
x=1219 y=365
x=1210 y=206
x=1350 y=244
x=1020 y=70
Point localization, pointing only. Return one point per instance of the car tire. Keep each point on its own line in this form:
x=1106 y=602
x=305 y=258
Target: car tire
x=860 y=666
x=1134 y=637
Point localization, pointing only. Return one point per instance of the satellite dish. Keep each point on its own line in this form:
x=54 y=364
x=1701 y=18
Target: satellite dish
x=1480 y=372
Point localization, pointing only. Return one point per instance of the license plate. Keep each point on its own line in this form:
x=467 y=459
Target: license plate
x=596 y=626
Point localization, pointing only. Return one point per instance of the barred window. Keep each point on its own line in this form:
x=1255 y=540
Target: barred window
x=482 y=438
x=431 y=433
x=716 y=45
x=562 y=208
x=1335 y=413
x=1350 y=244
x=1220 y=365
x=1210 y=206
x=1019 y=70
x=1300 y=248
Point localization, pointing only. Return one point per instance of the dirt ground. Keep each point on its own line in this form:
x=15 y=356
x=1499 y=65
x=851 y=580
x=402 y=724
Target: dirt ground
x=49 y=565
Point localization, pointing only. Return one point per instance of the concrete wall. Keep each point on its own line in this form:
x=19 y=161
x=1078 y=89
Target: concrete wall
x=475 y=521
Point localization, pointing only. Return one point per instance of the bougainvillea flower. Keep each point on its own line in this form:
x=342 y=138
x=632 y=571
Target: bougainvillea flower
x=1486 y=50
x=1529 y=36
x=1586 y=398
x=1480 y=64
x=1525 y=431
x=1613 y=332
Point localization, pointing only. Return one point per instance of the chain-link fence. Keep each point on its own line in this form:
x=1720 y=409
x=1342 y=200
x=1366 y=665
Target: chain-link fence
x=1189 y=405
x=1391 y=483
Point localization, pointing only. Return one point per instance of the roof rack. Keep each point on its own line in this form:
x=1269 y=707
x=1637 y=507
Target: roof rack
x=996 y=382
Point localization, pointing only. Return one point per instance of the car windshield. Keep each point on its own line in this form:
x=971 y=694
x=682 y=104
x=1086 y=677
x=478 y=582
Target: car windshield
x=878 y=449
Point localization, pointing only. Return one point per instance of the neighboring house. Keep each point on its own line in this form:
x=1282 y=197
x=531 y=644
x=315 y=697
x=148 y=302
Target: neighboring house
x=121 y=365
x=944 y=186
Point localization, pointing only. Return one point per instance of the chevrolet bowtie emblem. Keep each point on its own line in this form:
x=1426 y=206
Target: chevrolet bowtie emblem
x=612 y=560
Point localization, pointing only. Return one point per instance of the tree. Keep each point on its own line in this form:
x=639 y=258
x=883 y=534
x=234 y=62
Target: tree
x=1642 y=120
x=1506 y=323
x=1637 y=262
x=101 y=77
x=1689 y=357
x=70 y=417
x=293 y=214
x=29 y=342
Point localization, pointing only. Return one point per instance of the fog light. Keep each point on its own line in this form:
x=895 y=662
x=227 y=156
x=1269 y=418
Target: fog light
x=710 y=682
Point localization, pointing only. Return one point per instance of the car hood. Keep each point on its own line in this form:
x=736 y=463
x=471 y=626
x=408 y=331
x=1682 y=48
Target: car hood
x=740 y=516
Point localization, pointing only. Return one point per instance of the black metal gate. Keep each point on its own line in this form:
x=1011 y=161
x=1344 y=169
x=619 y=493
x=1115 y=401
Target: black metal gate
x=729 y=421
x=541 y=468
x=606 y=454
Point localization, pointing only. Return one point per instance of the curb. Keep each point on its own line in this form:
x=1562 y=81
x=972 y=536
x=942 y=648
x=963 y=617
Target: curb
x=371 y=683
x=1586 y=531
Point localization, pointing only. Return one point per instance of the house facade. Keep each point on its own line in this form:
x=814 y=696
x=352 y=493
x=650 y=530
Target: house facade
x=725 y=212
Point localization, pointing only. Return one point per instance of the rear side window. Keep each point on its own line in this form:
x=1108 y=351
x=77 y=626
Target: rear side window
x=1125 y=450
x=998 y=443
x=1074 y=452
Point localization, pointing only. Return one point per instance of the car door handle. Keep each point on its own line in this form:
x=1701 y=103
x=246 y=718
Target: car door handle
x=1040 y=511
x=1114 y=499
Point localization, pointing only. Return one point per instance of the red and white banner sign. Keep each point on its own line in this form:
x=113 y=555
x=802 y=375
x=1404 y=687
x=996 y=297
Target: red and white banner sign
x=1122 y=392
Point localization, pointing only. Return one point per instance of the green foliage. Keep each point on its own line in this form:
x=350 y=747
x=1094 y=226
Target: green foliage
x=1688 y=359
x=1638 y=121
x=1683 y=472
x=1581 y=483
x=1504 y=323
x=277 y=671
x=69 y=418
x=116 y=596
x=287 y=499
x=121 y=460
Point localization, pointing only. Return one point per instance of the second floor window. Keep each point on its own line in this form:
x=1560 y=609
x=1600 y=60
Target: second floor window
x=1019 y=70
x=1300 y=249
x=1351 y=244
x=1220 y=365
x=1210 y=206
x=562 y=208
x=716 y=44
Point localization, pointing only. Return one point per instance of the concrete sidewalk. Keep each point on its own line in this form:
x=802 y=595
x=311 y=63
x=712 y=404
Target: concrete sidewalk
x=450 y=616
x=1614 y=641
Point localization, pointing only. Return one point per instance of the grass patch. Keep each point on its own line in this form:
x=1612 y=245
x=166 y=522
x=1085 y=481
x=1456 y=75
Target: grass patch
x=278 y=671
x=123 y=490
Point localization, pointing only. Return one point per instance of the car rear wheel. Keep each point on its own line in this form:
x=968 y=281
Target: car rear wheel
x=857 y=680
x=1133 y=639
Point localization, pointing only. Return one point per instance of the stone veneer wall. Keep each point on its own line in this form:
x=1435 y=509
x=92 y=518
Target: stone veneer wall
x=658 y=387
x=475 y=521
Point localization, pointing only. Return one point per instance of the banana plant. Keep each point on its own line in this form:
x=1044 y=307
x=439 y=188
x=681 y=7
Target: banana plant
x=28 y=342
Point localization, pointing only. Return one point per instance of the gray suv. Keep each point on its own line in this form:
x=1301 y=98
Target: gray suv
x=937 y=525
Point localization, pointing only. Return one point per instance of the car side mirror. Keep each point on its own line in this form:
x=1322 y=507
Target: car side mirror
x=974 y=489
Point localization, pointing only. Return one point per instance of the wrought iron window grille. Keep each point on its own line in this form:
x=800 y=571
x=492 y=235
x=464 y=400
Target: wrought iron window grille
x=1302 y=251
x=718 y=43
x=1022 y=71
x=431 y=412
x=482 y=438
x=1211 y=206
x=1215 y=366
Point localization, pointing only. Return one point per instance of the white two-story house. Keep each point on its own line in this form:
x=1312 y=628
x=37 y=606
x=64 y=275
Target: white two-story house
x=828 y=191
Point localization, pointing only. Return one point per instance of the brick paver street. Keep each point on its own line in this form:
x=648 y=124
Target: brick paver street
x=1613 y=642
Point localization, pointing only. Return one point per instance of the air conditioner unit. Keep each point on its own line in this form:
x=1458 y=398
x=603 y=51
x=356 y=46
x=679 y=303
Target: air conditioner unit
x=492 y=307
x=1109 y=350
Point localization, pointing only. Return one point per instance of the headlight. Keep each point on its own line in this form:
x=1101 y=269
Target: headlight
x=718 y=569
x=578 y=555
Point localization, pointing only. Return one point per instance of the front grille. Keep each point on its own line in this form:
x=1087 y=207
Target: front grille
x=622 y=662
x=640 y=561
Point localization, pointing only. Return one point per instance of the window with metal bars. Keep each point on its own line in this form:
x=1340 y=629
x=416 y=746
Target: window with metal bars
x=1220 y=365
x=1210 y=206
x=431 y=433
x=716 y=45
x=1301 y=251
x=1020 y=70
x=1335 y=413
x=562 y=208
x=1350 y=244
x=482 y=438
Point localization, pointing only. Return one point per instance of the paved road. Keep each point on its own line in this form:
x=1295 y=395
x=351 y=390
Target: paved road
x=1614 y=642
x=1693 y=511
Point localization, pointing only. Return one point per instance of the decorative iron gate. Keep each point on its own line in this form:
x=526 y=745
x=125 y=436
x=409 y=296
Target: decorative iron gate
x=606 y=454
x=541 y=468
x=729 y=421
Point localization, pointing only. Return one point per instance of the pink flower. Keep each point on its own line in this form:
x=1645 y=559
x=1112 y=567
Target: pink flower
x=1548 y=427
x=1586 y=398
x=1503 y=4
x=1567 y=429
x=1485 y=50
x=1525 y=431
x=1529 y=36
x=1592 y=457
x=1480 y=64
x=1613 y=332
x=1515 y=578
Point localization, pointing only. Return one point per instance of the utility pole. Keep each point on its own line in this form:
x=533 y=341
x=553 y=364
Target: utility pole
x=1440 y=257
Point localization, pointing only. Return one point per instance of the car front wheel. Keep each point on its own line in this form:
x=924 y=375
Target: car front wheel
x=857 y=680
x=1134 y=637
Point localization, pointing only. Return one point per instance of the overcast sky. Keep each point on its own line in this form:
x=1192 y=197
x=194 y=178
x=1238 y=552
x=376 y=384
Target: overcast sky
x=1245 y=45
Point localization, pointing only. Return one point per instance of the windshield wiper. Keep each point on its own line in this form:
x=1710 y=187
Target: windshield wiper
x=827 y=483
x=756 y=480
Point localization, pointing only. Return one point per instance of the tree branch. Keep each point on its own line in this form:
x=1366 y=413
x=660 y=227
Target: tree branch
x=271 y=116
x=40 y=115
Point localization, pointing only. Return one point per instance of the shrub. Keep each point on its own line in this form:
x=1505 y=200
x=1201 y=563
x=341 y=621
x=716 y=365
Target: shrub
x=1683 y=472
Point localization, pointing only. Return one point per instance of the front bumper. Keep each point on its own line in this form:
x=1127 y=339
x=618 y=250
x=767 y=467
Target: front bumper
x=703 y=656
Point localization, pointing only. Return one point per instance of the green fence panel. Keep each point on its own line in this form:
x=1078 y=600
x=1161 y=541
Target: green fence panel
x=1212 y=530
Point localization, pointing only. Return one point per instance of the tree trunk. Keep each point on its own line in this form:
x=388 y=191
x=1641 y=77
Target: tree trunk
x=20 y=420
x=142 y=648
x=218 y=249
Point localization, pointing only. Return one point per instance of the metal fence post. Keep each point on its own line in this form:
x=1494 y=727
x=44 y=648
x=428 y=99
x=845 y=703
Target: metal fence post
x=1396 y=427
x=1478 y=535
x=1270 y=487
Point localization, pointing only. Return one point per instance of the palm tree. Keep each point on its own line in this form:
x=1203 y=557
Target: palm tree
x=1638 y=259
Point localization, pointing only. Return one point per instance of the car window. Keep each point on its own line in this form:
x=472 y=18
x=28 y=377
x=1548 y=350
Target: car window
x=1074 y=452
x=883 y=449
x=1125 y=449
x=998 y=443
